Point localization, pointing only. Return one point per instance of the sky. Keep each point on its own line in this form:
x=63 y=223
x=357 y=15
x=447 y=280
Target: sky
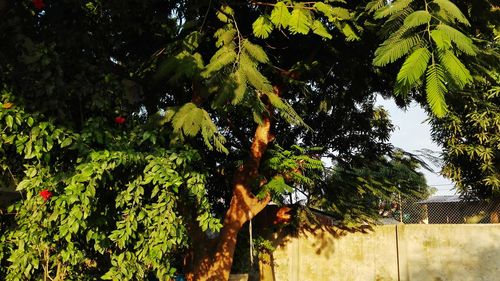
x=412 y=133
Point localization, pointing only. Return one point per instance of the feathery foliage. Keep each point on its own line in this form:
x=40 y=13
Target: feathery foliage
x=417 y=18
x=300 y=20
x=435 y=89
x=460 y=75
x=411 y=71
x=280 y=16
x=262 y=27
x=391 y=8
x=462 y=42
x=451 y=11
x=423 y=34
x=389 y=52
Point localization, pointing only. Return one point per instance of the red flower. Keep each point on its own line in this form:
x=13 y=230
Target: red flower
x=38 y=4
x=46 y=194
x=120 y=120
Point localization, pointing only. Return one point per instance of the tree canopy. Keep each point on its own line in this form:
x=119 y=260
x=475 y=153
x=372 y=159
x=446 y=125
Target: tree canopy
x=143 y=135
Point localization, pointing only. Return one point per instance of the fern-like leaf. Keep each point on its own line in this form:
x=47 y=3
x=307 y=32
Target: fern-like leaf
x=253 y=76
x=392 y=8
x=413 y=68
x=210 y=134
x=280 y=15
x=221 y=58
x=389 y=52
x=451 y=64
x=262 y=27
x=319 y=29
x=341 y=13
x=188 y=119
x=224 y=36
x=324 y=8
x=452 y=11
x=241 y=87
x=374 y=5
x=462 y=42
x=349 y=32
x=332 y=13
x=443 y=41
x=436 y=89
x=286 y=110
x=224 y=14
x=255 y=51
x=191 y=120
x=300 y=20
x=395 y=23
x=417 y=18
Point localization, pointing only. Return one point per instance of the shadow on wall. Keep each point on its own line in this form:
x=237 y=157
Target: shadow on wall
x=403 y=252
x=321 y=230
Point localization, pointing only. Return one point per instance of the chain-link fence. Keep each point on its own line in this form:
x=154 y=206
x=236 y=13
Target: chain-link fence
x=449 y=209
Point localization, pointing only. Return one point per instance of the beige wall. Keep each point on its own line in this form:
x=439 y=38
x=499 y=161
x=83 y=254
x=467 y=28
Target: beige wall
x=426 y=252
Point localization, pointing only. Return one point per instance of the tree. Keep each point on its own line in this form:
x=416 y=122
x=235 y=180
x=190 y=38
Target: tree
x=354 y=195
x=131 y=127
x=469 y=133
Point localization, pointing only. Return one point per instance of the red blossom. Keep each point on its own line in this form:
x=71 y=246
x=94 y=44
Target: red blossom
x=39 y=4
x=46 y=194
x=120 y=120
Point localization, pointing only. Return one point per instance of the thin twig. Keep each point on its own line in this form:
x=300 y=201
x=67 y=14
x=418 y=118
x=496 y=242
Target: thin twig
x=206 y=15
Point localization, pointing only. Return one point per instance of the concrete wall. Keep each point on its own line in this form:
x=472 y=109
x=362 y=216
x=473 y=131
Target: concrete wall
x=410 y=252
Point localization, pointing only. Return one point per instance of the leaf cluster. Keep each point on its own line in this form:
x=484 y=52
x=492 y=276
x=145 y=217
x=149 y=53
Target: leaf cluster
x=427 y=35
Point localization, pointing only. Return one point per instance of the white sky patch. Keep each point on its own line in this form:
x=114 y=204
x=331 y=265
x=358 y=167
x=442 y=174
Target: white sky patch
x=412 y=133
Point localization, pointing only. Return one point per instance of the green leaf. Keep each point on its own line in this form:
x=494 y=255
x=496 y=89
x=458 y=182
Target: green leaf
x=443 y=41
x=23 y=185
x=436 y=89
x=30 y=121
x=66 y=142
x=319 y=29
x=255 y=51
x=286 y=110
x=262 y=27
x=350 y=34
x=224 y=36
x=452 y=11
x=253 y=76
x=417 y=18
x=241 y=88
x=188 y=119
x=192 y=41
x=332 y=13
x=280 y=15
x=300 y=20
x=413 y=68
x=451 y=64
x=9 y=120
x=392 y=8
x=325 y=9
x=389 y=52
x=225 y=13
x=462 y=42
x=374 y=5
x=221 y=58
x=341 y=13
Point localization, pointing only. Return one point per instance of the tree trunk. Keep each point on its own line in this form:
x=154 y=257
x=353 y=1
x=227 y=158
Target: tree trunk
x=216 y=265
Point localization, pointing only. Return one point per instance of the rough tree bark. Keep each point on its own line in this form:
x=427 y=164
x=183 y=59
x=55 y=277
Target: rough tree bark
x=215 y=263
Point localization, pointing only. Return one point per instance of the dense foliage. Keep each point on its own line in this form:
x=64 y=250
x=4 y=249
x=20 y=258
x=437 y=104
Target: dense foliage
x=125 y=124
x=470 y=131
